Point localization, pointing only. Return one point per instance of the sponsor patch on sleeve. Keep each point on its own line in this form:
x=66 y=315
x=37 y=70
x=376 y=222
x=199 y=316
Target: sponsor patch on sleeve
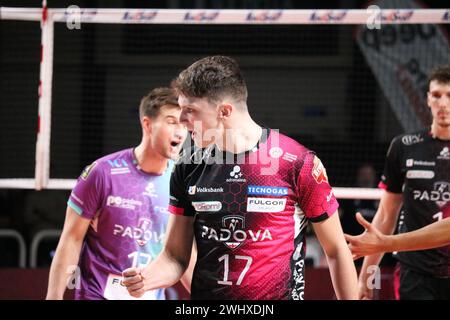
x=88 y=170
x=318 y=172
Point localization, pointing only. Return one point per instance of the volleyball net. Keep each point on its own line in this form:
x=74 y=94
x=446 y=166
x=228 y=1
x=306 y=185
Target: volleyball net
x=341 y=82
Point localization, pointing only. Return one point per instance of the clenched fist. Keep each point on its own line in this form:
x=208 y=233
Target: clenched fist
x=134 y=281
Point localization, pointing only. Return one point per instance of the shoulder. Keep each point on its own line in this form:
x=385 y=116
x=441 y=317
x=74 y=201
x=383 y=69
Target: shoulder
x=288 y=148
x=103 y=166
x=117 y=159
x=410 y=139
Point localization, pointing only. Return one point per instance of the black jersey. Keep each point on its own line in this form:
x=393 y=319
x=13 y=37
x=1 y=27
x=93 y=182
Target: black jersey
x=250 y=218
x=418 y=166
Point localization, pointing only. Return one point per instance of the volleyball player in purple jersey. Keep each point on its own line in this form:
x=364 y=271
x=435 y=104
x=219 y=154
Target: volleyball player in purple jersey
x=117 y=213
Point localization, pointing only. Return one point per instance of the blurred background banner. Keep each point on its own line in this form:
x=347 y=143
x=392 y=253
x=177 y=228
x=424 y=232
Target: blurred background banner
x=401 y=56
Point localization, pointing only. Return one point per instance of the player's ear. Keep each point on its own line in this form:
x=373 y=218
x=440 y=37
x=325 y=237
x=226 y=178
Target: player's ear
x=146 y=123
x=225 y=111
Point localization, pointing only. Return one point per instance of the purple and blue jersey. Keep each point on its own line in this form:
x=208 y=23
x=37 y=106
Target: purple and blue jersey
x=128 y=212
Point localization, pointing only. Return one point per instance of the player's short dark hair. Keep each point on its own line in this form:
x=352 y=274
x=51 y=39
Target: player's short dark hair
x=440 y=74
x=155 y=99
x=213 y=78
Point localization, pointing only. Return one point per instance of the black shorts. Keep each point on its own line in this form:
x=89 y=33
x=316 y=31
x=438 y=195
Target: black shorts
x=418 y=286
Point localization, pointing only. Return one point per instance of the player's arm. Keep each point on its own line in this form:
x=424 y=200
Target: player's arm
x=186 y=279
x=168 y=268
x=385 y=221
x=342 y=269
x=373 y=241
x=67 y=253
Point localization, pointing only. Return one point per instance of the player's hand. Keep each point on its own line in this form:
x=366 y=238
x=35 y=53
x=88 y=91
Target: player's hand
x=134 y=281
x=369 y=242
x=364 y=293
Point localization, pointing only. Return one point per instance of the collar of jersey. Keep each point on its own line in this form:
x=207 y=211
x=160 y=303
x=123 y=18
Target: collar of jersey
x=135 y=165
x=264 y=137
x=430 y=135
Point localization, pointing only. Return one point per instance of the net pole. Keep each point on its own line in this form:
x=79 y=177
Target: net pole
x=42 y=167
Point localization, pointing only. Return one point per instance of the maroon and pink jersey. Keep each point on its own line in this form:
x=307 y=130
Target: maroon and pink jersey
x=251 y=211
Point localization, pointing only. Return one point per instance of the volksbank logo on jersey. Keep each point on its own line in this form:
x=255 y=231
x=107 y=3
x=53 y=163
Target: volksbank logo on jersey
x=119 y=202
x=412 y=162
x=207 y=206
x=194 y=189
x=265 y=204
x=267 y=191
x=233 y=233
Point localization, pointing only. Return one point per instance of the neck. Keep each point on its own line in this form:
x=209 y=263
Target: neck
x=241 y=136
x=440 y=132
x=149 y=161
